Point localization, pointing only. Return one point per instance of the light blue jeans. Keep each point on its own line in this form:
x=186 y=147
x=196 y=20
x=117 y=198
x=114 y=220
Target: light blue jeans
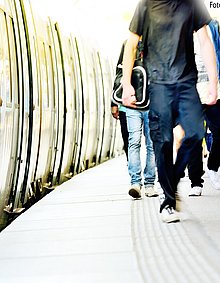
x=137 y=120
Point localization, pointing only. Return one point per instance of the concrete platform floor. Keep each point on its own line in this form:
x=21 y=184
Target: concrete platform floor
x=89 y=230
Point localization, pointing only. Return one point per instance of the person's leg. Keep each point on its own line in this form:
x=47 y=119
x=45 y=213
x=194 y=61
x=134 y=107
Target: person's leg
x=192 y=121
x=195 y=170
x=134 y=124
x=124 y=130
x=161 y=131
x=179 y=134
x=212 y=115
x=195 y=165
x=149 y=170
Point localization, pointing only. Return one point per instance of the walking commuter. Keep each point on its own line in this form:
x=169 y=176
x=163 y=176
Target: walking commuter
x=212 y=112
x=137 y=121
x=212 y=116
x=119 y=111
x=170 y=61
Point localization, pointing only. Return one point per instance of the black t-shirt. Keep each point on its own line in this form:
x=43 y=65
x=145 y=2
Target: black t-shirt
x=169 y=27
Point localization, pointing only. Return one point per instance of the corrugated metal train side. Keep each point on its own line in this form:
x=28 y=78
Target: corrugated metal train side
x=55 y=120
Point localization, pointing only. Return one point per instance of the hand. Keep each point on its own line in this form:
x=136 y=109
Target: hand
x=115 y=112
x=212 y=95
x=128 y=96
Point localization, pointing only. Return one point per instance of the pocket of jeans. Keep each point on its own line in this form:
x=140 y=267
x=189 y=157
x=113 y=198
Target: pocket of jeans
x=154 y=124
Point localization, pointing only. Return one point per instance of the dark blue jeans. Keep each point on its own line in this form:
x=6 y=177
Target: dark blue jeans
x=169 y=102
x=212 y=116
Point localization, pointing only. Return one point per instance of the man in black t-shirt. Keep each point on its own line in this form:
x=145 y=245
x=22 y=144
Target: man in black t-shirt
x=169 y=58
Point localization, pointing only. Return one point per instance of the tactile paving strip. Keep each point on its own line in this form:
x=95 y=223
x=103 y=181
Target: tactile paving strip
x=166 y=252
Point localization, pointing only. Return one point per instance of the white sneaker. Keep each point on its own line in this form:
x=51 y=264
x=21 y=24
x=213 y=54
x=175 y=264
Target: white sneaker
x=195 y=191
x=150 y=191
x=169 y=215
x=135 y=191
x=214 y=179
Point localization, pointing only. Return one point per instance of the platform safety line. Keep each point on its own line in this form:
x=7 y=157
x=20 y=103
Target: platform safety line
x=165 y=252
x=175 y=253
x=151 y=262
x=166 y=266
x=192 y=263
x=200 y=265
x=139 y=248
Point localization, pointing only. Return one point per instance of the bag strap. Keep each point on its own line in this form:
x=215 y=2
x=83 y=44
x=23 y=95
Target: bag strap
x=140 y=47
x=145 y=24
x=120 y=59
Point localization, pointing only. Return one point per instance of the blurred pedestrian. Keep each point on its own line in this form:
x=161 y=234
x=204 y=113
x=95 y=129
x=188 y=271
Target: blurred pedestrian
x=170 y=61
x=212 y=112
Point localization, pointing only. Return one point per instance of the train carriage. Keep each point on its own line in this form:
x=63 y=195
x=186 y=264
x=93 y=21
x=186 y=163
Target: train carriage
x=55 y=120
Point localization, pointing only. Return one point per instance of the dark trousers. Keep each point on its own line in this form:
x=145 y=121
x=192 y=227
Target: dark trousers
x=168 y=103
x=212 y=116
x=124 y=131
x=195 y=167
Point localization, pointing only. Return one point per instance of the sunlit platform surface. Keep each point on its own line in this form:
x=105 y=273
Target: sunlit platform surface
x=89 y=230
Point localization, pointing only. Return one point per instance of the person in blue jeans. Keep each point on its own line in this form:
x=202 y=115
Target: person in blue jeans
x=131 y=129
x=137 y=121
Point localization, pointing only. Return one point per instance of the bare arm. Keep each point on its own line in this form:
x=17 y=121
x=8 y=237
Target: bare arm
x=209 y=58
x=128 y=96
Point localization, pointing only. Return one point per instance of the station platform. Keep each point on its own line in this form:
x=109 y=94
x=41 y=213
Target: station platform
x=89 y=230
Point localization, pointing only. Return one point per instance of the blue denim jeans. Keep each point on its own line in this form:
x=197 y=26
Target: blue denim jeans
x=137 y=120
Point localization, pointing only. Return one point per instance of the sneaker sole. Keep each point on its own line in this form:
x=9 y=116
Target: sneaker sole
x=133 y=193
x=195 y=195
x=171 y=220
x=151 y=195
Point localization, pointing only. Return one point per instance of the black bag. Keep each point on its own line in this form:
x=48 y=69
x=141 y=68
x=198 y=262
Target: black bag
x=139 y=78
x=139 y=81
